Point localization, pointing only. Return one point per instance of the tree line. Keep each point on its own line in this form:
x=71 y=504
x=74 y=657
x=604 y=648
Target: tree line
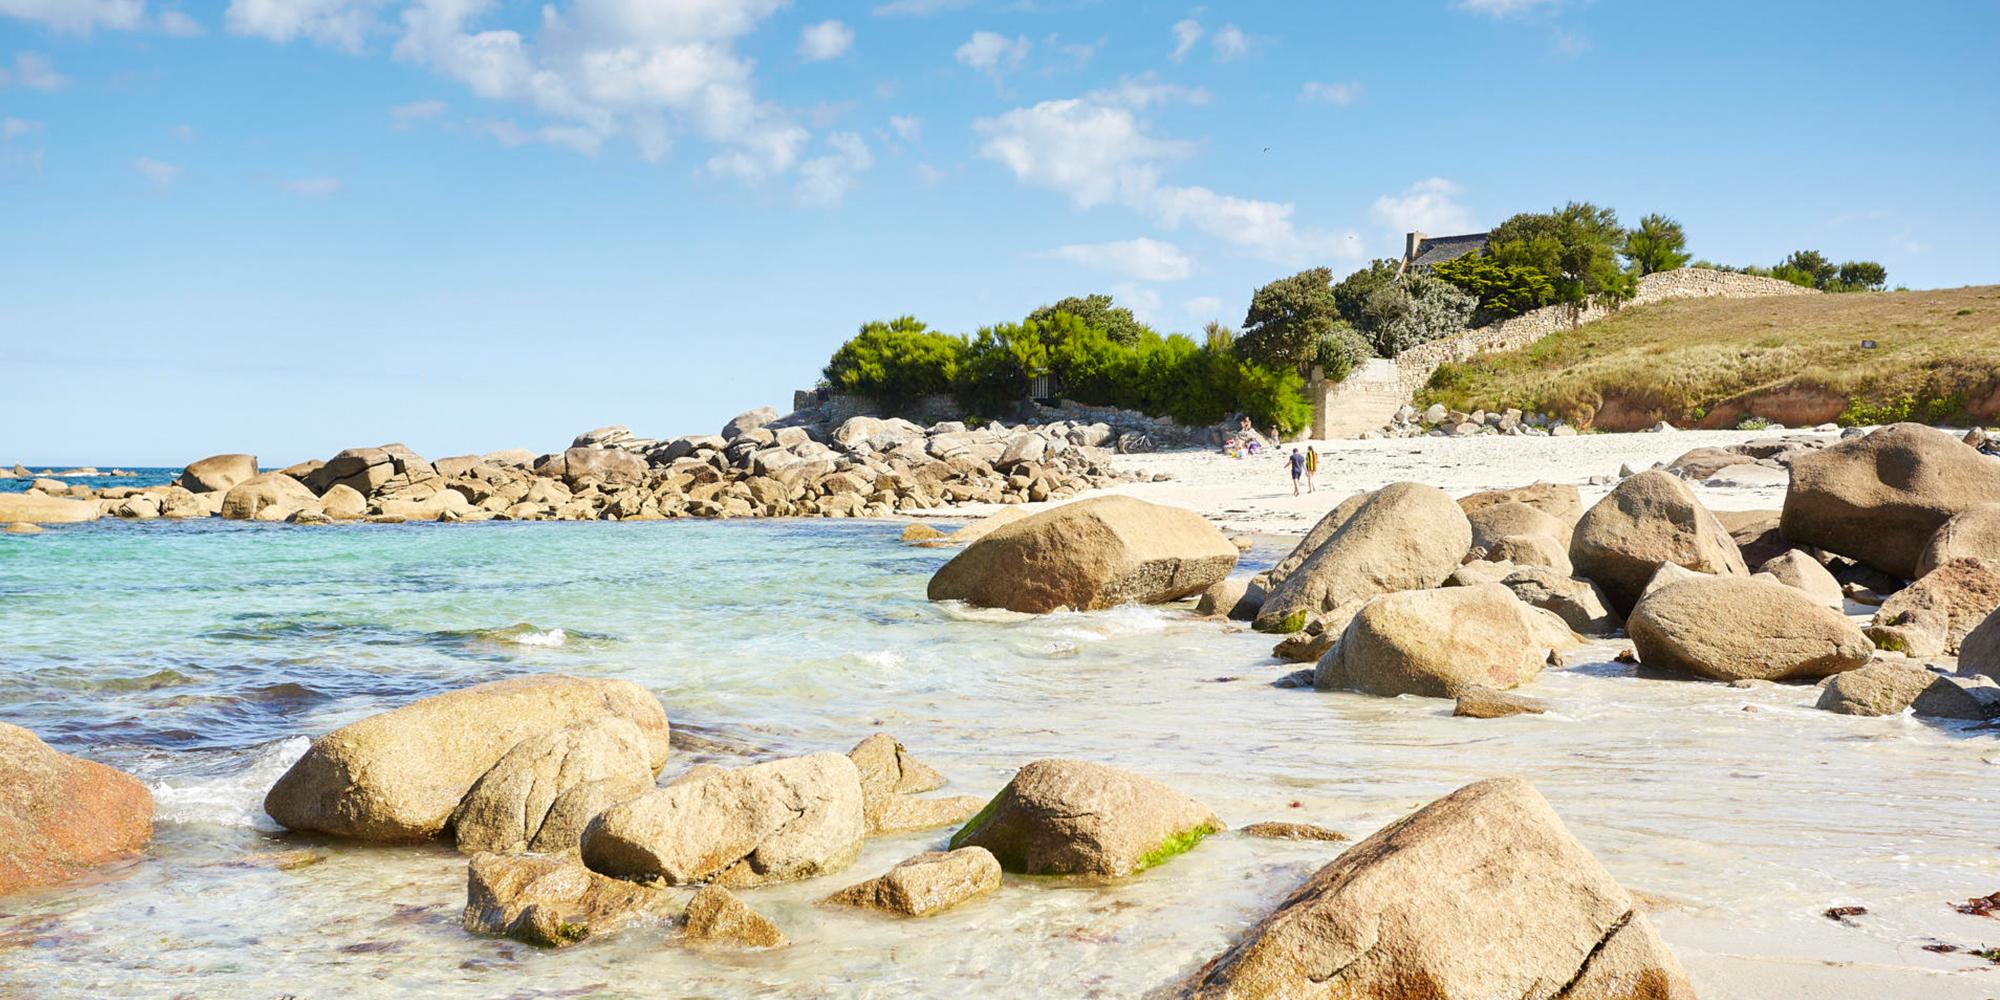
x=1101 y=354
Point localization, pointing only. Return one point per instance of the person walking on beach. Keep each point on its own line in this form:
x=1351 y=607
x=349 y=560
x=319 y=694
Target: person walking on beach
x=1312 y=466
x=1298 y=463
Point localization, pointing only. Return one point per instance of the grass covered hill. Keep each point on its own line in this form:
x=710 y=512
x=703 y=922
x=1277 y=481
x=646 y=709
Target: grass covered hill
x=1794 y=360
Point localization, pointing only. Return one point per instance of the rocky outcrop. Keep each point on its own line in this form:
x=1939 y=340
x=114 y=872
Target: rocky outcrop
x=1439 y=643
x=35 y=508
x=273 y=496
x=60 y=815
x=1727 y=629
x=1487 y=703
x=1406 y=536
x=773 y=822
x=1071 y=817
x=1973 y=533
x=1483 y=893
x=401 y=775
x=552 y=900
x=1936 y=613
x=926 y=884
x=1089 y=555
x=716 y=918
x=217 y=473
x=1880 y=498
x=1648 y=519
x=545 y=790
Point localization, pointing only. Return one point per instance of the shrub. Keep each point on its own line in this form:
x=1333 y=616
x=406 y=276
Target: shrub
x=1286 y=320
x=897 y=361
x=1575 y=247
x=1341 y=350
x=1097 y=311
x=1503 y=290
x=1416 y=310
x=1658 y=244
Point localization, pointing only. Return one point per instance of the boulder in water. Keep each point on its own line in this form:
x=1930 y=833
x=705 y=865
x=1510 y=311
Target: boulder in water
x=545 y=790
x=1939 y=610
x=1406 y=536
x=273 y=496
x=1483 y=893
x=1072 y=817
x=552 y=900
x=399 y=776
x=773 y=822
x=34 y=508
x=1729 y=628
x=1089 y=555
x=217 y=473
x=716 y=918
x=1973 y=533
x=1438 y=643
x=60 y=815
x=926 y=884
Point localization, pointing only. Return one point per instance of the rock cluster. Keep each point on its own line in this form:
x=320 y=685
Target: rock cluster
x=1438 y=421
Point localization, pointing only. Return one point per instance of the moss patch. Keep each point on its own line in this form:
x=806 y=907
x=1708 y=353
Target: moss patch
x=1178 y=844
x=978 y=820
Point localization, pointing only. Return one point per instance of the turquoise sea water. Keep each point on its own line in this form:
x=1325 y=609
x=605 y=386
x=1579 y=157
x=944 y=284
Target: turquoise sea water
x=201 y=656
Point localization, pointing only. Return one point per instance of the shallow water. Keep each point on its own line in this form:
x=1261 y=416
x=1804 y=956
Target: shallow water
x=200 y=656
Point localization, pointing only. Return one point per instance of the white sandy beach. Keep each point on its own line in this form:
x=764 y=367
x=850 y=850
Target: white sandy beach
x=1255 y=494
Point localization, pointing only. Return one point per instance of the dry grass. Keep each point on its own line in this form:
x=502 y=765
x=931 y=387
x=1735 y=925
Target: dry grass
x=1937 y=359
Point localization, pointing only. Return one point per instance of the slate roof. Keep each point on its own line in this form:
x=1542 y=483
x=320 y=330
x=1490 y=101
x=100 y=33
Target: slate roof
x=1438 y=249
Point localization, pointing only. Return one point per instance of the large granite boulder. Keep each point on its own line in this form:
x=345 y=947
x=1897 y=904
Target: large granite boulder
x=748 y=420
x=1481 y=894
x=1577 y=601
x=1405 y=536
x=1072 y=817
x=926 y=884
x=773 y=822
x=1561 y=502
x=401 y=775
x=1936 y=613
x=1879 y=498
x=217 y=473
x=61 y=814
x=273 y=496
x=891 y=780
x=1649 y=519
x=552 y=900
x=1438 y=643
x=1728 y=628
x=34 y=508
x=1973 y=533
x=1089 y=555
x=715 y=918
x=1321 y=531
x=1887 y=688
x=541 y=795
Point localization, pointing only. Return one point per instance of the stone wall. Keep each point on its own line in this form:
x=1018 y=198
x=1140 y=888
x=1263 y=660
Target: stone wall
x=1414 y=366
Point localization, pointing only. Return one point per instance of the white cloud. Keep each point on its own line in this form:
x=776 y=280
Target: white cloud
x=33 y=71
x=162 y=175
x=1202 y=308
x=313 y=187
x=931 y=176
x=1186 y=33
x=992 y=54
x=1230 y=43
x=184 y=133
x=907 y=127
x=825 y=180
x=825 y=40
x=78 y=16
x=1342 y=94
x=1141 y=258
x=1502 y=8
x=14 y=128
x=1428 y=206
x=342 y=24
x=606 y=68
x=512 y=135
x=402 y=116
x=1096 y=150
x=1145 y=90
x=179 y=24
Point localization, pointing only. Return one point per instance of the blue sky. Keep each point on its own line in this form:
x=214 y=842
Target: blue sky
x=292 y=226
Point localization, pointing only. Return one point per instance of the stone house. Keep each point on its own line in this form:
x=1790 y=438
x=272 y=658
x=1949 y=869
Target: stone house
x=1422 y=251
